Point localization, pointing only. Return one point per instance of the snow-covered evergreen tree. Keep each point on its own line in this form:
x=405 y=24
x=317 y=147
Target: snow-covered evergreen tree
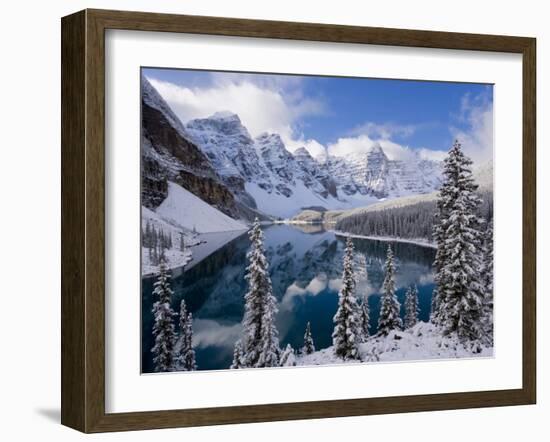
x=389 y=318
x=458 y=262
x=164 y=334
x=238 y=356
x=411 y=307
x=487 y=313
x=309 y=346
x=189 y=362
x=185 y=357
x=347 y=331
x=434 y=306
x=288 y=357
x=260 y=340
x=364 y=320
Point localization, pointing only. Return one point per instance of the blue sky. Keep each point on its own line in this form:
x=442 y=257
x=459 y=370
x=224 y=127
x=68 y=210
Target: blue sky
x=341 y=115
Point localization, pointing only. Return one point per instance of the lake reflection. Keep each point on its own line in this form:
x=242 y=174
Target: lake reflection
x=305 y=267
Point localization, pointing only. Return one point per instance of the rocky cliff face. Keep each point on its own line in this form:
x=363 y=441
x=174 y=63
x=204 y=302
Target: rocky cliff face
x=169 y=155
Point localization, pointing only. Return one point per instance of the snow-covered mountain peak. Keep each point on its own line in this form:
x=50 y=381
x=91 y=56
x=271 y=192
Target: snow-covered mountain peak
x=321 y=157
x=152 y=98
x=376 y=149
x=270 y=139
x=225 y=115
x=221 y=123
x=303 y=154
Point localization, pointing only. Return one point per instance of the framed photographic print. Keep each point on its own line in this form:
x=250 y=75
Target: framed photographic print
x=270 y=220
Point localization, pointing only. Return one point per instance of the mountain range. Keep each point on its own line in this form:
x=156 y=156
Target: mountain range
x=217 y=160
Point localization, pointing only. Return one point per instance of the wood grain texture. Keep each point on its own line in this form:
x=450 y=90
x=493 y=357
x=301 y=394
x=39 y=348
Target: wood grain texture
x=529 y=220
x=73 y=128
x=83 y=219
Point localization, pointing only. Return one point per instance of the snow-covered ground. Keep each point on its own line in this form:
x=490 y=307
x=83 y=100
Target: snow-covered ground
x=417 y=241
x=186 y=210
x=423 y=341
x=174 y=256
x=204 y=229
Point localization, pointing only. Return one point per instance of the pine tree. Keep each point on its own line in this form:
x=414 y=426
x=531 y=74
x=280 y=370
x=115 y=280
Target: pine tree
x=238 y=356
x=148 y=234
x=154 y=237
x=155 y=260
x=347 y=332
x=309 y=346
x=389 y=318
x=260 y=341
x=164 y=334
x=182 y=242
x=411 y=307
x=288 y=357
x=487 y=313
x=459 y=303
x=151 y=257
x=189 y=362
x=185 y=358
x=434 y=306
x=365 y=320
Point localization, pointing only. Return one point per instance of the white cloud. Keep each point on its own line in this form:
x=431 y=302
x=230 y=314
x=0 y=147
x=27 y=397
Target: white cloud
x=477 y=139
x=313 y=146
x=264 y=104
x=433 y=155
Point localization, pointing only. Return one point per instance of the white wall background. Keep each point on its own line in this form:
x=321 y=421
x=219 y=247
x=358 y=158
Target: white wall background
x=30 y=216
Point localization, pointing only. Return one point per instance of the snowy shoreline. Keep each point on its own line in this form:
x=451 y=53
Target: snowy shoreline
x=208 y=243
x=418 y=242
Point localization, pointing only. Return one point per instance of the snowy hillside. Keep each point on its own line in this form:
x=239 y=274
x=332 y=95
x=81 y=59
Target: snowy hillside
x=184 y=209
x=422 y=342
x=175 y=257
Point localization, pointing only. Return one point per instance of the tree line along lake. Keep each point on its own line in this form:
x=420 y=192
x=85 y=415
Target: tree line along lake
x=305 y=264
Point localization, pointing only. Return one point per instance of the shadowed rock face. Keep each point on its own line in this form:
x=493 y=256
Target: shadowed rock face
x=168 y=155
x=154 y=187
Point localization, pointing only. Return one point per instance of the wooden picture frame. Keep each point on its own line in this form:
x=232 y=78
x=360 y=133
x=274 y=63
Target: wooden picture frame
x=83 y=220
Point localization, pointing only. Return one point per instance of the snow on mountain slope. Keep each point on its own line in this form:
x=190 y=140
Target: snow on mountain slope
x=277 y=204
x=375 y=174
x=227 y=143
x=262 y=172
x=184 y=209
x=281 y=184
x=175 y=257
